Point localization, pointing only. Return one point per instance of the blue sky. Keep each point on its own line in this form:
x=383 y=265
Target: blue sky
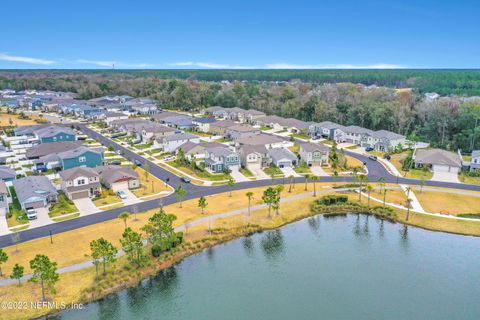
x=240 y=34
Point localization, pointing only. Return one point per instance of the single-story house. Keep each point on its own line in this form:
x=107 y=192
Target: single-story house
x=314 y=154
x=7 y=174
x=113 y=116
x=35 y=192
x=172 y=142
x=197 y=150
x=437 y=160
x=160 y=117
x=203 y=124
x=3 y=200
x=267 y=140
x=220 y=127
x=181 y=122
x=44 y=149
x=156 y=131
x=254 y=157
x=78 y=183
x=239 y=131
x=217 y=159
x=117 y=177
x=282 y=157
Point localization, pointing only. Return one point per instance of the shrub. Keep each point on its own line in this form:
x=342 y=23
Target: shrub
x=332 y=199
x=156 y=250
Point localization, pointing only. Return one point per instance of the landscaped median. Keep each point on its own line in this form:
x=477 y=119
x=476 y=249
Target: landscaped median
x=73 y=247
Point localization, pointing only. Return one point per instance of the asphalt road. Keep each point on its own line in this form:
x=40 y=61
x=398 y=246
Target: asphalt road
x=375 y=171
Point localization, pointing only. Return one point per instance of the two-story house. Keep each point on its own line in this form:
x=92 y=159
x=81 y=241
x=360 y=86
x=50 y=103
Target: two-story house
x=383 y=140
x=3 y=200
x=203 y=124
x=254 y=157
x=78 y=183
x=218 y=159
x=117 y=177
x=156 y=131
x=239 y=131
x=475 y=162
x=172 y=142
x=314 y=154
x=78 y=157
x=55 y=133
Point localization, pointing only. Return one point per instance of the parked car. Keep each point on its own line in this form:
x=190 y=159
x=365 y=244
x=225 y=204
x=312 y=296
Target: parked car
x=368 y=149
x=185 y=179
x=137 y=162
x=374 y=158
x=116 y=162
x=31 y=214
x=387 y=156
x=168 y=158
x=121 y=195
x=81 y=138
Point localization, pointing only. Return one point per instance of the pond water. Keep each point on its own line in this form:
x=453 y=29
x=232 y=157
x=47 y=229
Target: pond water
x=343 y=267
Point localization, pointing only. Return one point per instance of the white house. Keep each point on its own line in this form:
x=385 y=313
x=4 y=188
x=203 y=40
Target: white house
x=172 y=142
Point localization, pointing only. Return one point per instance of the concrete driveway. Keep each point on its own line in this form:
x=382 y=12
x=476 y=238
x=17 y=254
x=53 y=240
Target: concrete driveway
x=42 y=218
x=445 y=176
x=258 y=173
x=85 y=206
x=318 y=171
x=238 y=176
x=3 y=222
x=131 y=198
x=288 y=171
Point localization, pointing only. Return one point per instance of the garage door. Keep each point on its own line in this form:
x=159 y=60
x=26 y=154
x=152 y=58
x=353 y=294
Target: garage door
x=284 y=164
x=33 y=205
x=441 y=168
x=80 y=195
x=120 y=186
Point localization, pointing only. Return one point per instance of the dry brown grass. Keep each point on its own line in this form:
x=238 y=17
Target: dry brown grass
x=448 y=203
x=16 y=121
x=150 y=185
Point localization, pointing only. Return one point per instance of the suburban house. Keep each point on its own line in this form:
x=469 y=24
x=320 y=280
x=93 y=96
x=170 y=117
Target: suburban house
x=437 y=160
x=328 y=130
x=79 y=157
x=181 y=122
x=314 y=154
x=3 y=200
x=202 y=124
x=254 y=157
x=475 y=162
x=216 y=112
x=156 y=131
x=273 y=122
x=55 y=134
x=113 y=116
x=219 y=128
x=251 y=115
x=354 y=134
x=7 y=174
x=44 y=149
x=145 y=109
x=282 y=157
x=217 y=159
x=267 y=140
x=239 y=131
x=163 y=115
x=383 y=140
x=79 y=183
x=117 y=177
x=35 y=192
x=197 y=150
x=172 y=142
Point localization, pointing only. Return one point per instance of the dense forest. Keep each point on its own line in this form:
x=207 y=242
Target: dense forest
x=368 y=98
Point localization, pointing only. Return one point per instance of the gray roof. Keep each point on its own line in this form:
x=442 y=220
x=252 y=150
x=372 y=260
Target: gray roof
x=111 y=174
x=358 y=130
x=386 y=134
x=164 y=114
x=76 y=152
x=242 y=128
x=28 y=130
x=73 y=173
x=475 y=153
x=114 y=114
x=49 y=148
x=179 y=120
x=278 y=154
x=180 y=136
x=247 y=149
x=220 y=151
x=330 y=125
x=224 y=124
x=204 y=120
x=7 y=173
x=311 y=147
x=214 y=109
x=438 y=157
x=261 y=139
x=189 y=145
x=155 y=127
x=53 y=130
x=33 y=186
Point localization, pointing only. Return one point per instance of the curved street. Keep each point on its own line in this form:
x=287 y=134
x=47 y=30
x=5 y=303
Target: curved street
x=375 y=171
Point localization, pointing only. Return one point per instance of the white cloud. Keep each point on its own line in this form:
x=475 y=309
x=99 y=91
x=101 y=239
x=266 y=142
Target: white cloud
x=334 y=66
x=207 y=65
x=110 y=63
x=7 y=57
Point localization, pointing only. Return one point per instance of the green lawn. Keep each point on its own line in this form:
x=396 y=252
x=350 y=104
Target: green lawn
x=16 y=216
x=273 y=170
x=470 y=180
x=200 y=174
x=246 y=172
x=106 y=197
x=265 y=128
x=303 y=136
x=62 y=206
x=143 y=146
x=302 y=168
x=295 y=148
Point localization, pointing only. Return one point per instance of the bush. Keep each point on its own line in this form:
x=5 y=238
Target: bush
x=156 y=250
x=332 y=199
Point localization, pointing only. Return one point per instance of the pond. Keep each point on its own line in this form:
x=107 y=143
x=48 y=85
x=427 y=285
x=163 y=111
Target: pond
x=342 y=267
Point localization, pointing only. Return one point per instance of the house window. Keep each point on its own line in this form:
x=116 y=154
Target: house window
x=54 y=138
x=81 y=182
x=82 y=159
x=1 y=198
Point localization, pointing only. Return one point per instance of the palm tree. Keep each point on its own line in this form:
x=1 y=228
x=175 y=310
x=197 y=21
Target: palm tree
x=279 y=190
x=384 y=196
x=381 y=182
x=361 y=179
x=408 y=208
x=369 y=190
x=306 y=180
x=315 y=179
x=124 y=216
x=292 y=179
x=249 y=196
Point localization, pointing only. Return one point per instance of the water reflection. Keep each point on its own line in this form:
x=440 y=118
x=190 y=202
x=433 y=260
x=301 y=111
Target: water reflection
x=314 y=224
x=404 y=237
x=210 y=254
x=366 y=230
x=381 y=229
x=248 y=246
x=109 y=307
x=272 y=245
